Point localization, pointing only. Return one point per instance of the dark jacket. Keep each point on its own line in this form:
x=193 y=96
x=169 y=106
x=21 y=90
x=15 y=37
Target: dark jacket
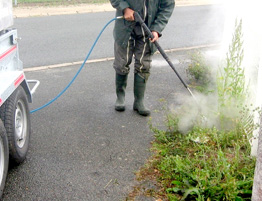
x=159 y=12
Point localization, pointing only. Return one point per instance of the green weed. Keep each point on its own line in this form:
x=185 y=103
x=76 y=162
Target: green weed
x=205 y=164
x=231 y=85
x=199 y=73
x=211 y=164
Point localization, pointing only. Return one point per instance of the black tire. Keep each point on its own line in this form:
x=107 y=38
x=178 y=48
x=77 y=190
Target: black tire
x=4 y=157
x=16 y=118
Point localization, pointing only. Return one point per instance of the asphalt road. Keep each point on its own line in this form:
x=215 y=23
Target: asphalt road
x=68 y=38
x=81 y=148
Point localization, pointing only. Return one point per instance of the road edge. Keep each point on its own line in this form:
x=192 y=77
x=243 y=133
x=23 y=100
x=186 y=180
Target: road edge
x=62 y=65
x=38 y=11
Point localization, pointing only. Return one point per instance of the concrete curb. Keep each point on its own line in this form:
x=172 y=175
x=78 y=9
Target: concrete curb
x=36 y=11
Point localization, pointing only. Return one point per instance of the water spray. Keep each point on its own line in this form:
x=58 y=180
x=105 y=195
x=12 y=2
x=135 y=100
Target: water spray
x=162 y=52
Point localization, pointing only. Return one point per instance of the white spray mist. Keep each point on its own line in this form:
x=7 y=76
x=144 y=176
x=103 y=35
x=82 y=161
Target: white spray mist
x=250 y=13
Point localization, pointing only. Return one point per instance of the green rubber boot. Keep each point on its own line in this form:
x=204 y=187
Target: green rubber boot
x=139 y=91
x=121 y=82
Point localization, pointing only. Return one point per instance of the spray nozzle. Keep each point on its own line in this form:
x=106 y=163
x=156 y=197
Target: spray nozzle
x=120 y=17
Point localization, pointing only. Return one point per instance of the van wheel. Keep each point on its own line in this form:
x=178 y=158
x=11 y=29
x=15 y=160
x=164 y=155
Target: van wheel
x=16 y=118
x=4 y=157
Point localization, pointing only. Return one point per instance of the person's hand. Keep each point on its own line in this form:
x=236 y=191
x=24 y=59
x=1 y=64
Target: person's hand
x=156 y=36
x=129 y=14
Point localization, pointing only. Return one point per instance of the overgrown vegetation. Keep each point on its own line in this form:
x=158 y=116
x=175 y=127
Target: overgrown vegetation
x=211 y=163
x=199 y=73
x=204 y=164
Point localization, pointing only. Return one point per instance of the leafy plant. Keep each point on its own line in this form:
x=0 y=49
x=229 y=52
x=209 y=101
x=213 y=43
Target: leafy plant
x=218 y=168
x=199 y=72
x=233 y=96
x=231 y=85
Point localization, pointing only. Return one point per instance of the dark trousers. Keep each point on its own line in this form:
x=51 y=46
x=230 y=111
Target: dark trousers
x=137 y=47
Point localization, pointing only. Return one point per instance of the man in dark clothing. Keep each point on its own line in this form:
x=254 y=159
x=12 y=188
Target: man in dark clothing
x=130 y=40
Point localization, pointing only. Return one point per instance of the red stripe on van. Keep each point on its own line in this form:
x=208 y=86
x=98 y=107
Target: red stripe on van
x=8 y=52
x=19 y=80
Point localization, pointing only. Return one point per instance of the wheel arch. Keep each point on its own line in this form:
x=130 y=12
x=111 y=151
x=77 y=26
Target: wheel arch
x=27 y=91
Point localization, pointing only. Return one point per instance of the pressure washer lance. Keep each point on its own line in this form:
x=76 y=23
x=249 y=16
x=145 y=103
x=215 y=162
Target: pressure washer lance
x=162 y=52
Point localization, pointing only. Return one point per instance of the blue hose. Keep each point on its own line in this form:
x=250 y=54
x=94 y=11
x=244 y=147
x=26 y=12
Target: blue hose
x=79 y=70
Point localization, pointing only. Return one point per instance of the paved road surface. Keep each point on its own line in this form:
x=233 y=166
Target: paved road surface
x=81 y=148
x=68 y=38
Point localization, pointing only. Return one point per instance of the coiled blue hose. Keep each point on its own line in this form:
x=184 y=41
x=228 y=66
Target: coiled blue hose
x=79 y=70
